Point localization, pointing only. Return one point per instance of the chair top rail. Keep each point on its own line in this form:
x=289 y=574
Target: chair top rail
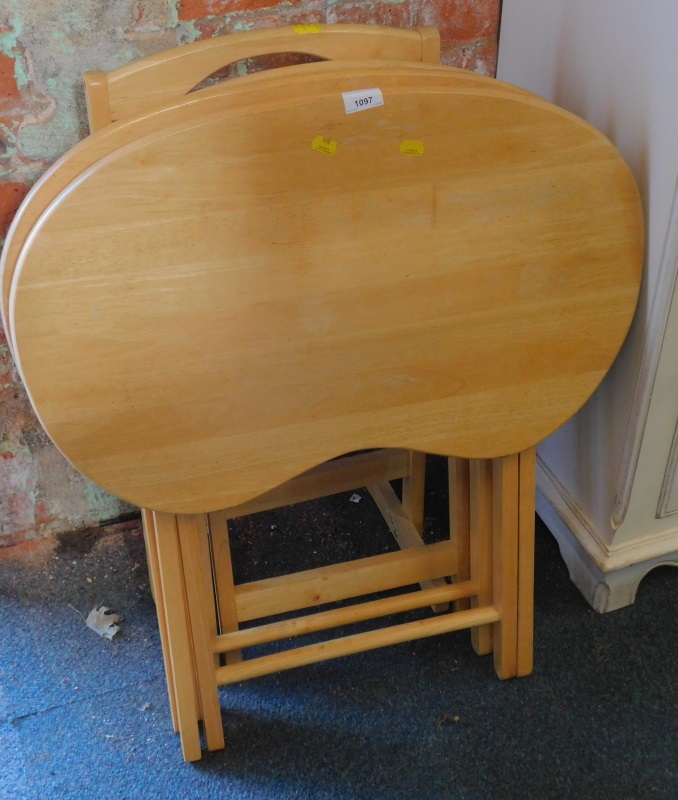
x=157 y=79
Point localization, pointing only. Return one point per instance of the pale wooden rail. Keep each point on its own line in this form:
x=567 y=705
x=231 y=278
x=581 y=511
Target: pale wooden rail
x=360 y=612
x=357 y=643
x=315 y=587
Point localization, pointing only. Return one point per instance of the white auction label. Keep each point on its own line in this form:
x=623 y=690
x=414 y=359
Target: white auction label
x=362 y=100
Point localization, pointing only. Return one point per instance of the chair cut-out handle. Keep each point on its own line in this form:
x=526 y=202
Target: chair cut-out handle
x=430 y=48
x=215 y=74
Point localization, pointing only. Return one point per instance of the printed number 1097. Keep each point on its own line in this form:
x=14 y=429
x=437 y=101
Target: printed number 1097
x=362 y=100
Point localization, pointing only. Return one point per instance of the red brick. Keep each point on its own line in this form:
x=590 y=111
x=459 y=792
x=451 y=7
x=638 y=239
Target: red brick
x=277 y=60
x=25 y=548
x=9 y=91
x=461 y=20
x=199 y=9
x=196 y=9
x=394 y=14
x=11 y=195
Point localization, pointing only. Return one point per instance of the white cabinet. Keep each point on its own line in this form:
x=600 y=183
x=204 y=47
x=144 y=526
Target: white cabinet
x=608 y=480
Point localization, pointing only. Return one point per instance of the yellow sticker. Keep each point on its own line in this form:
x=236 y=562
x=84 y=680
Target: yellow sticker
x=411 y=148
x=324 y=145
x=306 y=28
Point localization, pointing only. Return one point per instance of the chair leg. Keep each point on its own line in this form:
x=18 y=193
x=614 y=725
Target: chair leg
x=505 y=490
x=414 y=486
x=151 y=553
x=192 y=529
x=223 y=579
x=526 y=561
x=459 y=501
x=179 y=640
x=480 y=555
x=156 y=591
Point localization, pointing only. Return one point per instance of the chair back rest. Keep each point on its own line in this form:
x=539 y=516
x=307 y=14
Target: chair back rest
x=147 y=83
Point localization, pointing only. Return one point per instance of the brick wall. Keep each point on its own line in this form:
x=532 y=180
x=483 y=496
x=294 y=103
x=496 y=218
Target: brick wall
x=44 y=49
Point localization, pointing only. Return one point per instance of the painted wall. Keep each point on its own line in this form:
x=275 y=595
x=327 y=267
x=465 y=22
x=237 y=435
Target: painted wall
x=44 y=49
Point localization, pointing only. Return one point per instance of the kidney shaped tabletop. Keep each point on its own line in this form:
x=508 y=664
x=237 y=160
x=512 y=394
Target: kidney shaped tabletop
x=217 y=306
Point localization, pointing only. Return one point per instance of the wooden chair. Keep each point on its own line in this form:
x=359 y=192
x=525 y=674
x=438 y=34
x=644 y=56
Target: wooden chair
x=161 y=80
x=464 y=302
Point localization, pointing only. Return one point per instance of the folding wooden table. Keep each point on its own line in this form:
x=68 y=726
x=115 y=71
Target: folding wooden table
x=253 y=288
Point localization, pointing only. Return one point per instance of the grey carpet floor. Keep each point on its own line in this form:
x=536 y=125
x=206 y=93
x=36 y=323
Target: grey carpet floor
x=82 y=717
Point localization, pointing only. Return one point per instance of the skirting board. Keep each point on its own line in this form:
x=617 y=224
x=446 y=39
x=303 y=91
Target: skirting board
x=606 y=575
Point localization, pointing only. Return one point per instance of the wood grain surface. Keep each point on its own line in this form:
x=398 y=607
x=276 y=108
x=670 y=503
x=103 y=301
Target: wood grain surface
x=180 y=110
x=216 y=293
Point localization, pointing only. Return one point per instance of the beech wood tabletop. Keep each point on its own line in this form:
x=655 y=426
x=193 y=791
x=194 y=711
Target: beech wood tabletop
x=221 y=303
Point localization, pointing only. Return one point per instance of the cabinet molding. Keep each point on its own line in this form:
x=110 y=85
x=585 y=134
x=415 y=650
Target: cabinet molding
x=668 y=497
x=660 y=308
x=607 y=576
x=607 y=557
